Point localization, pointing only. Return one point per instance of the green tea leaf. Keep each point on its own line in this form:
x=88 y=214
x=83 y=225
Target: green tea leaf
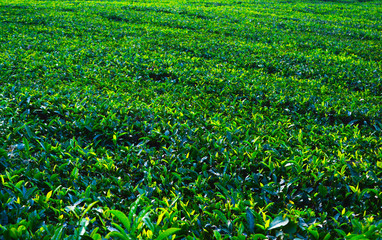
x=250 y=220
x=117 y=235
x=3 y=153
x=259 y=236
x=121 y=217
x=13 y=233
x=167 y=233
x=379 y=164
x=88 y=208
x=48 y=195
x=278 y=222
x=217 y=235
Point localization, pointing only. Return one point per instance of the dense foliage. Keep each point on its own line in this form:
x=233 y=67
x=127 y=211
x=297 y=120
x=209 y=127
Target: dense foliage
x=251 y=119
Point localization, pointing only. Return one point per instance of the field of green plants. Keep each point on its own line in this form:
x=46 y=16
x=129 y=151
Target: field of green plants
x=183 y=119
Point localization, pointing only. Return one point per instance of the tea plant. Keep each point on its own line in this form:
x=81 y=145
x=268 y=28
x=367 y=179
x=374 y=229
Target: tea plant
x=190 y=119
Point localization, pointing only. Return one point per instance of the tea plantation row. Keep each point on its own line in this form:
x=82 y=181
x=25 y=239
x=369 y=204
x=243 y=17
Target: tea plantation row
x=190 y=119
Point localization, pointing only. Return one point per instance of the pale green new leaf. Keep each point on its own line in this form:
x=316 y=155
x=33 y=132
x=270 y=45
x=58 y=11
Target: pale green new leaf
x=167 y=233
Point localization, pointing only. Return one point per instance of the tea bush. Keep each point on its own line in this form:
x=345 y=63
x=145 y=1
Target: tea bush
x=190 y=120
